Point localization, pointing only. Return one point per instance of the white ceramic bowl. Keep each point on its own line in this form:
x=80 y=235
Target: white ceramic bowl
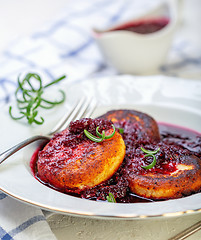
x=134 y=53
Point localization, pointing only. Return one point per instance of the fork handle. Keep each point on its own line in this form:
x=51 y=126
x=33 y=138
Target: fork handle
x=14 y=149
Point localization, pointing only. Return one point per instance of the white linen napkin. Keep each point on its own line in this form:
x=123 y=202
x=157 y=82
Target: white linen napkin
x=66 y=47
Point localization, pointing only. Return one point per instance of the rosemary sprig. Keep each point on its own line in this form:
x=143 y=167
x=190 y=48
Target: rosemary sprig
x=121 y=130
x=94 y=138
x=111 y=198
x=100 y=137
x=30 y=98
x=150 y=154
x=103 y=132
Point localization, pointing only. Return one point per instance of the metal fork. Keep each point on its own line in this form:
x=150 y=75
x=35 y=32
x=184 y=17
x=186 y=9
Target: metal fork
x=83 y=108
x=187 y=232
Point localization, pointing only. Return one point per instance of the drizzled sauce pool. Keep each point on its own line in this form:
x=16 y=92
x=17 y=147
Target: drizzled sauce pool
x=182 y=139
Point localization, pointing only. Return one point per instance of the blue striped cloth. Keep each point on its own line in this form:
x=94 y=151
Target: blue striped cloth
x=22 y=222
x=66 y=46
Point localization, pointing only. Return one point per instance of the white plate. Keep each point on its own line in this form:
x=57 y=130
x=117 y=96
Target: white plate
x=167 y=99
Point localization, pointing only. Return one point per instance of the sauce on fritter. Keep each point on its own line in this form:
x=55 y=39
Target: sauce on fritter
x=175 y=141
x=72 y=162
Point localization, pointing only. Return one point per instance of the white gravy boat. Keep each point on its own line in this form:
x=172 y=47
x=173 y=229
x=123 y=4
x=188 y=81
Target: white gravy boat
x=134 y=53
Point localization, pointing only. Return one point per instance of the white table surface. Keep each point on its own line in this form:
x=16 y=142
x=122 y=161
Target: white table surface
x=22 y=17
x=74 y=228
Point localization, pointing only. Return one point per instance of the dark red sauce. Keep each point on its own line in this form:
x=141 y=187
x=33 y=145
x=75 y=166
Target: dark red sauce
x=175 y=141
x=144 y=26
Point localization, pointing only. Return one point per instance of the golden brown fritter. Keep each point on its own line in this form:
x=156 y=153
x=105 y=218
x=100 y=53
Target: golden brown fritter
x=81 y=166
x=147 y=124
x=185 y=180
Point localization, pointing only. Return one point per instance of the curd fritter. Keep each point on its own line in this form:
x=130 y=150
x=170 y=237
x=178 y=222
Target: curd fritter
x=71 y=162
x=177 y=172
x=145 y=124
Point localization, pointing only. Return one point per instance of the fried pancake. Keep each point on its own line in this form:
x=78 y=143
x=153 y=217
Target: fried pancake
x=79 y=164
x=157 y=183
x=145 y=122
x=71 y=162
x=183 y=181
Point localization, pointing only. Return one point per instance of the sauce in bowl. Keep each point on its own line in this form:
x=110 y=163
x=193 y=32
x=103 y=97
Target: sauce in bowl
x=145 y=26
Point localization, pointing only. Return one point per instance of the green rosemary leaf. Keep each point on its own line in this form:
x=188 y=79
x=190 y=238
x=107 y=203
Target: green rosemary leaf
x=54 y=102
x=97 y=132
x=94 y=138
x=55 y=81
x=111 y=198
x=151 y=165
x=150 y=152
x=39 y=122
x=29 y=98
x=121 y=130
x=107 y=136
x=14 y=118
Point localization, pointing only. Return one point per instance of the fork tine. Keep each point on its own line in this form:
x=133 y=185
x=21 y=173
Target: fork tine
x=74 y=114
x=69 y=115
x=82 y=112
x=83 y=108
x=91 y=109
